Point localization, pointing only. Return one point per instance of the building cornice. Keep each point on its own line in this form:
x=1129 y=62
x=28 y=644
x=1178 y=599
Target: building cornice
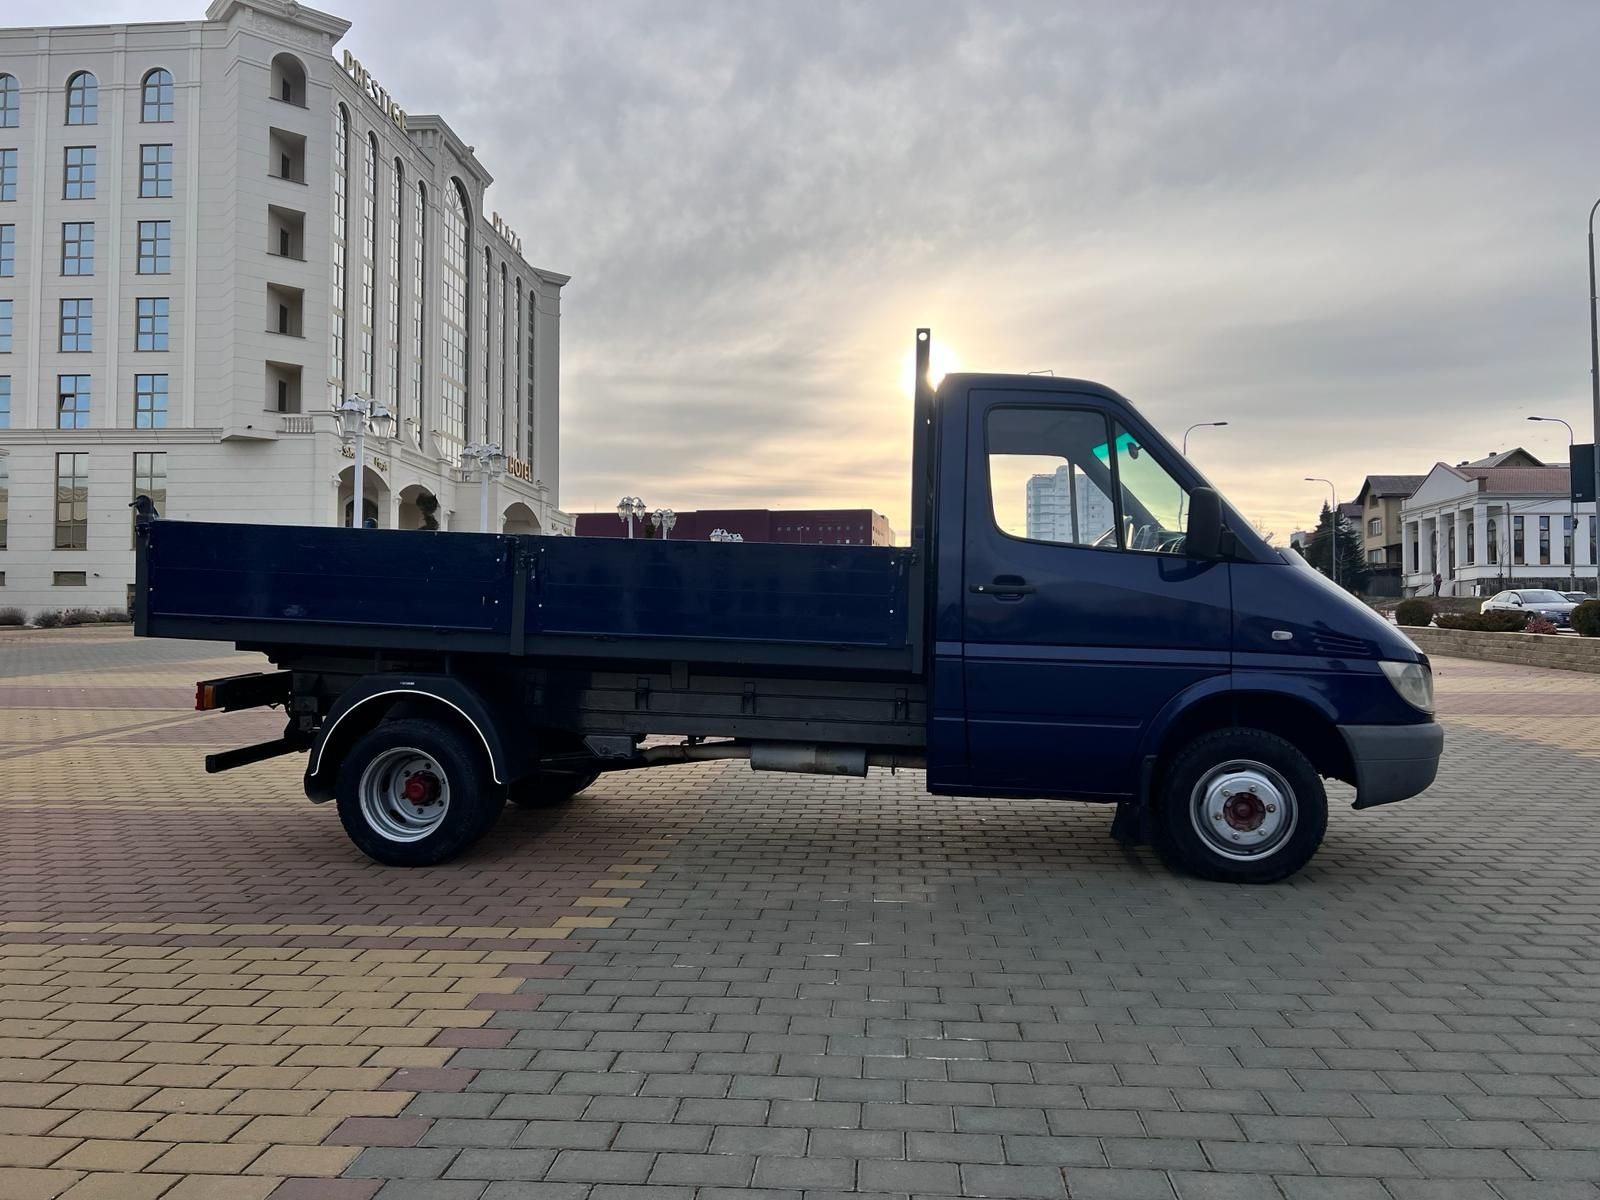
x=465 y=154
x=72 y=439
x=334 y=27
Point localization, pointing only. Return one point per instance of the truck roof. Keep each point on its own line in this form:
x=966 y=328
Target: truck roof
x=989 y=379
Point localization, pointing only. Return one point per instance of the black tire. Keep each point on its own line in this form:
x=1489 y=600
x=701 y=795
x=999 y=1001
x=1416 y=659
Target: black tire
x=1259 y=799
x=550 y=788
x=443 y=765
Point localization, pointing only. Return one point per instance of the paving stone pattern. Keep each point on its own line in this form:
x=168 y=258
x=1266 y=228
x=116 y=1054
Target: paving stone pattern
x=703 y=983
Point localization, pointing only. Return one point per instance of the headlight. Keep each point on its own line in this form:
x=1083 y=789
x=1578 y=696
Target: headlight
x=1413 y=681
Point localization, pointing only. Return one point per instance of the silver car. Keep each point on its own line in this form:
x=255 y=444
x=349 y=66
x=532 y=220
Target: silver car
x=1536 y=602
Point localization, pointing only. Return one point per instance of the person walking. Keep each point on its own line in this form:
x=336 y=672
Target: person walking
x=1438 y=582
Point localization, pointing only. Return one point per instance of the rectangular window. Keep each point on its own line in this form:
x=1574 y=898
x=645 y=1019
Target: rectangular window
x=73 y=393
x=155 y=247
x=72 y=501
x=1045 y=483
x=77 y=248
x=5 y=403
x=151 y=333
x=1375 y=527
x=155 y=170
x=78 y=173
x=1544 y=540
x=70 y=578
x=1568 y=529
x=1519 y=547
x=5 y=326
x=5 y=506
x=149 y=479
x=149 y=401
x=77 y=326
x=1592 y=556
x=8 y=174
x=8 y=251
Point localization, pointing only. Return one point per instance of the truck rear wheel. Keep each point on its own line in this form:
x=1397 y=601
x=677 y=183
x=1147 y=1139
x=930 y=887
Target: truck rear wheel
x=414 y=793
x=549 y=788
x=1240 y=806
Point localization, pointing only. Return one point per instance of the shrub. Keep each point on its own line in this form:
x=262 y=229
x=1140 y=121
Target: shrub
x=115 y=616
x=1415 y=611
x=80 y=616
x=48 y=619
x=1498 y=621
x=1540 y=625
x=1586 y=618
x=13 y=616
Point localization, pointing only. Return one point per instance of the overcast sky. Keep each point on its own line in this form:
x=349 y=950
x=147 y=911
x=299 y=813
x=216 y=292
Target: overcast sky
x=1353 y=230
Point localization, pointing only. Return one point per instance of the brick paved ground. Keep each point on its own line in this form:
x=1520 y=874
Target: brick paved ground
x=697 y=982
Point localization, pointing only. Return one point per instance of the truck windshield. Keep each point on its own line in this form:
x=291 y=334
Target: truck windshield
x=1051 y=473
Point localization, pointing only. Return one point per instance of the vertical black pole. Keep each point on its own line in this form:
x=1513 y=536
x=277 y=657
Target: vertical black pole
x=1594 y=384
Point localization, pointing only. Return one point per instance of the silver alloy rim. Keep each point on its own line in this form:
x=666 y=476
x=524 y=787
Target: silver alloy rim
x=404 y=795
x=1243 y=810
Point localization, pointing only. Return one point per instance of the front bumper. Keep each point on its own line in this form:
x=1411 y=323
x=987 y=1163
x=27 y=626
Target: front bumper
x=1393 y=761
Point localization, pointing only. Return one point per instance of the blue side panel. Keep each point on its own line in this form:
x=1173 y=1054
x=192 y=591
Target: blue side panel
x=355 y=578
x=728 y=591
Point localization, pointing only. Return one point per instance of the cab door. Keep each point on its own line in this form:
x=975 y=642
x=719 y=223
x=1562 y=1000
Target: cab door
x=1082 y=614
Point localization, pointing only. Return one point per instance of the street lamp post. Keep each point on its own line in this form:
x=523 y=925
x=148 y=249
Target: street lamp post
x=1572 y=506
x=1594 y=370
x=356 y=415
x=1333 y=526
x=665 y=520
x=487 y=461
x=629 y=508
x=1199 y=425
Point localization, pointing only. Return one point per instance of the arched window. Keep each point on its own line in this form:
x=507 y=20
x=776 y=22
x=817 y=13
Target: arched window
x=288 y=80
x=83 y=99
x=391 y=311
x=341 y=213
x=419 y=287
x=455 y=289
x=10 y=102
x=503 y=357
x=157 y=93
x=369 y=264
x=516 y=343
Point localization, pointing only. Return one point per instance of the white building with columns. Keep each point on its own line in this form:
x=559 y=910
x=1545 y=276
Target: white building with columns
x=1503 y=521
x=212 y=232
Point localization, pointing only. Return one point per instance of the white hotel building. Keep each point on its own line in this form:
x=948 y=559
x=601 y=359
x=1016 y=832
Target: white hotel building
x=211 y=233
x=1061 y=512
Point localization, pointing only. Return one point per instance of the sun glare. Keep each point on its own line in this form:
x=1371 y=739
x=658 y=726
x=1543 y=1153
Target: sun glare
x=941 y=361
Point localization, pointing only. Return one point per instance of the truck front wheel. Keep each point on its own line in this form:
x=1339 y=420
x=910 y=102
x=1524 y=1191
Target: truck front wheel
x=1240 y=806
x=414 y=793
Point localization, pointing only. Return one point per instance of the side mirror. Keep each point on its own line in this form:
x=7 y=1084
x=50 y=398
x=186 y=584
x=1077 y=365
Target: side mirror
x=1203 y=538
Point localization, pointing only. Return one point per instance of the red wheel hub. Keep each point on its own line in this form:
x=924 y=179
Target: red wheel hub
x=1244 y=812
x=421 y=788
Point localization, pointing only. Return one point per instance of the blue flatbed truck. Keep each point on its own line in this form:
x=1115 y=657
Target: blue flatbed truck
x=1144 y=648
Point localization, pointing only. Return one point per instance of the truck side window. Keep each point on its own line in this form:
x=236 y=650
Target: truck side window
x=1154 y=506
x=1045 y=482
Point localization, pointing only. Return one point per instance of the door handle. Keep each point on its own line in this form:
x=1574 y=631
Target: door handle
x=1005 y=585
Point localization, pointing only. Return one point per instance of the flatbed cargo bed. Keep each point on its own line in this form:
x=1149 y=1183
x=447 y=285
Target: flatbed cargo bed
x=827 y=608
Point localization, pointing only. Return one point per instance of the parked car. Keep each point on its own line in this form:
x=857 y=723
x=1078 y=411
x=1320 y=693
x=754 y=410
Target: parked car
x=1577 y=597
x=1536 y=602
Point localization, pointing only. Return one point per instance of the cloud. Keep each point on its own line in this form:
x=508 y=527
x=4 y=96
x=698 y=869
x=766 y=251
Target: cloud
x=1354 y=231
